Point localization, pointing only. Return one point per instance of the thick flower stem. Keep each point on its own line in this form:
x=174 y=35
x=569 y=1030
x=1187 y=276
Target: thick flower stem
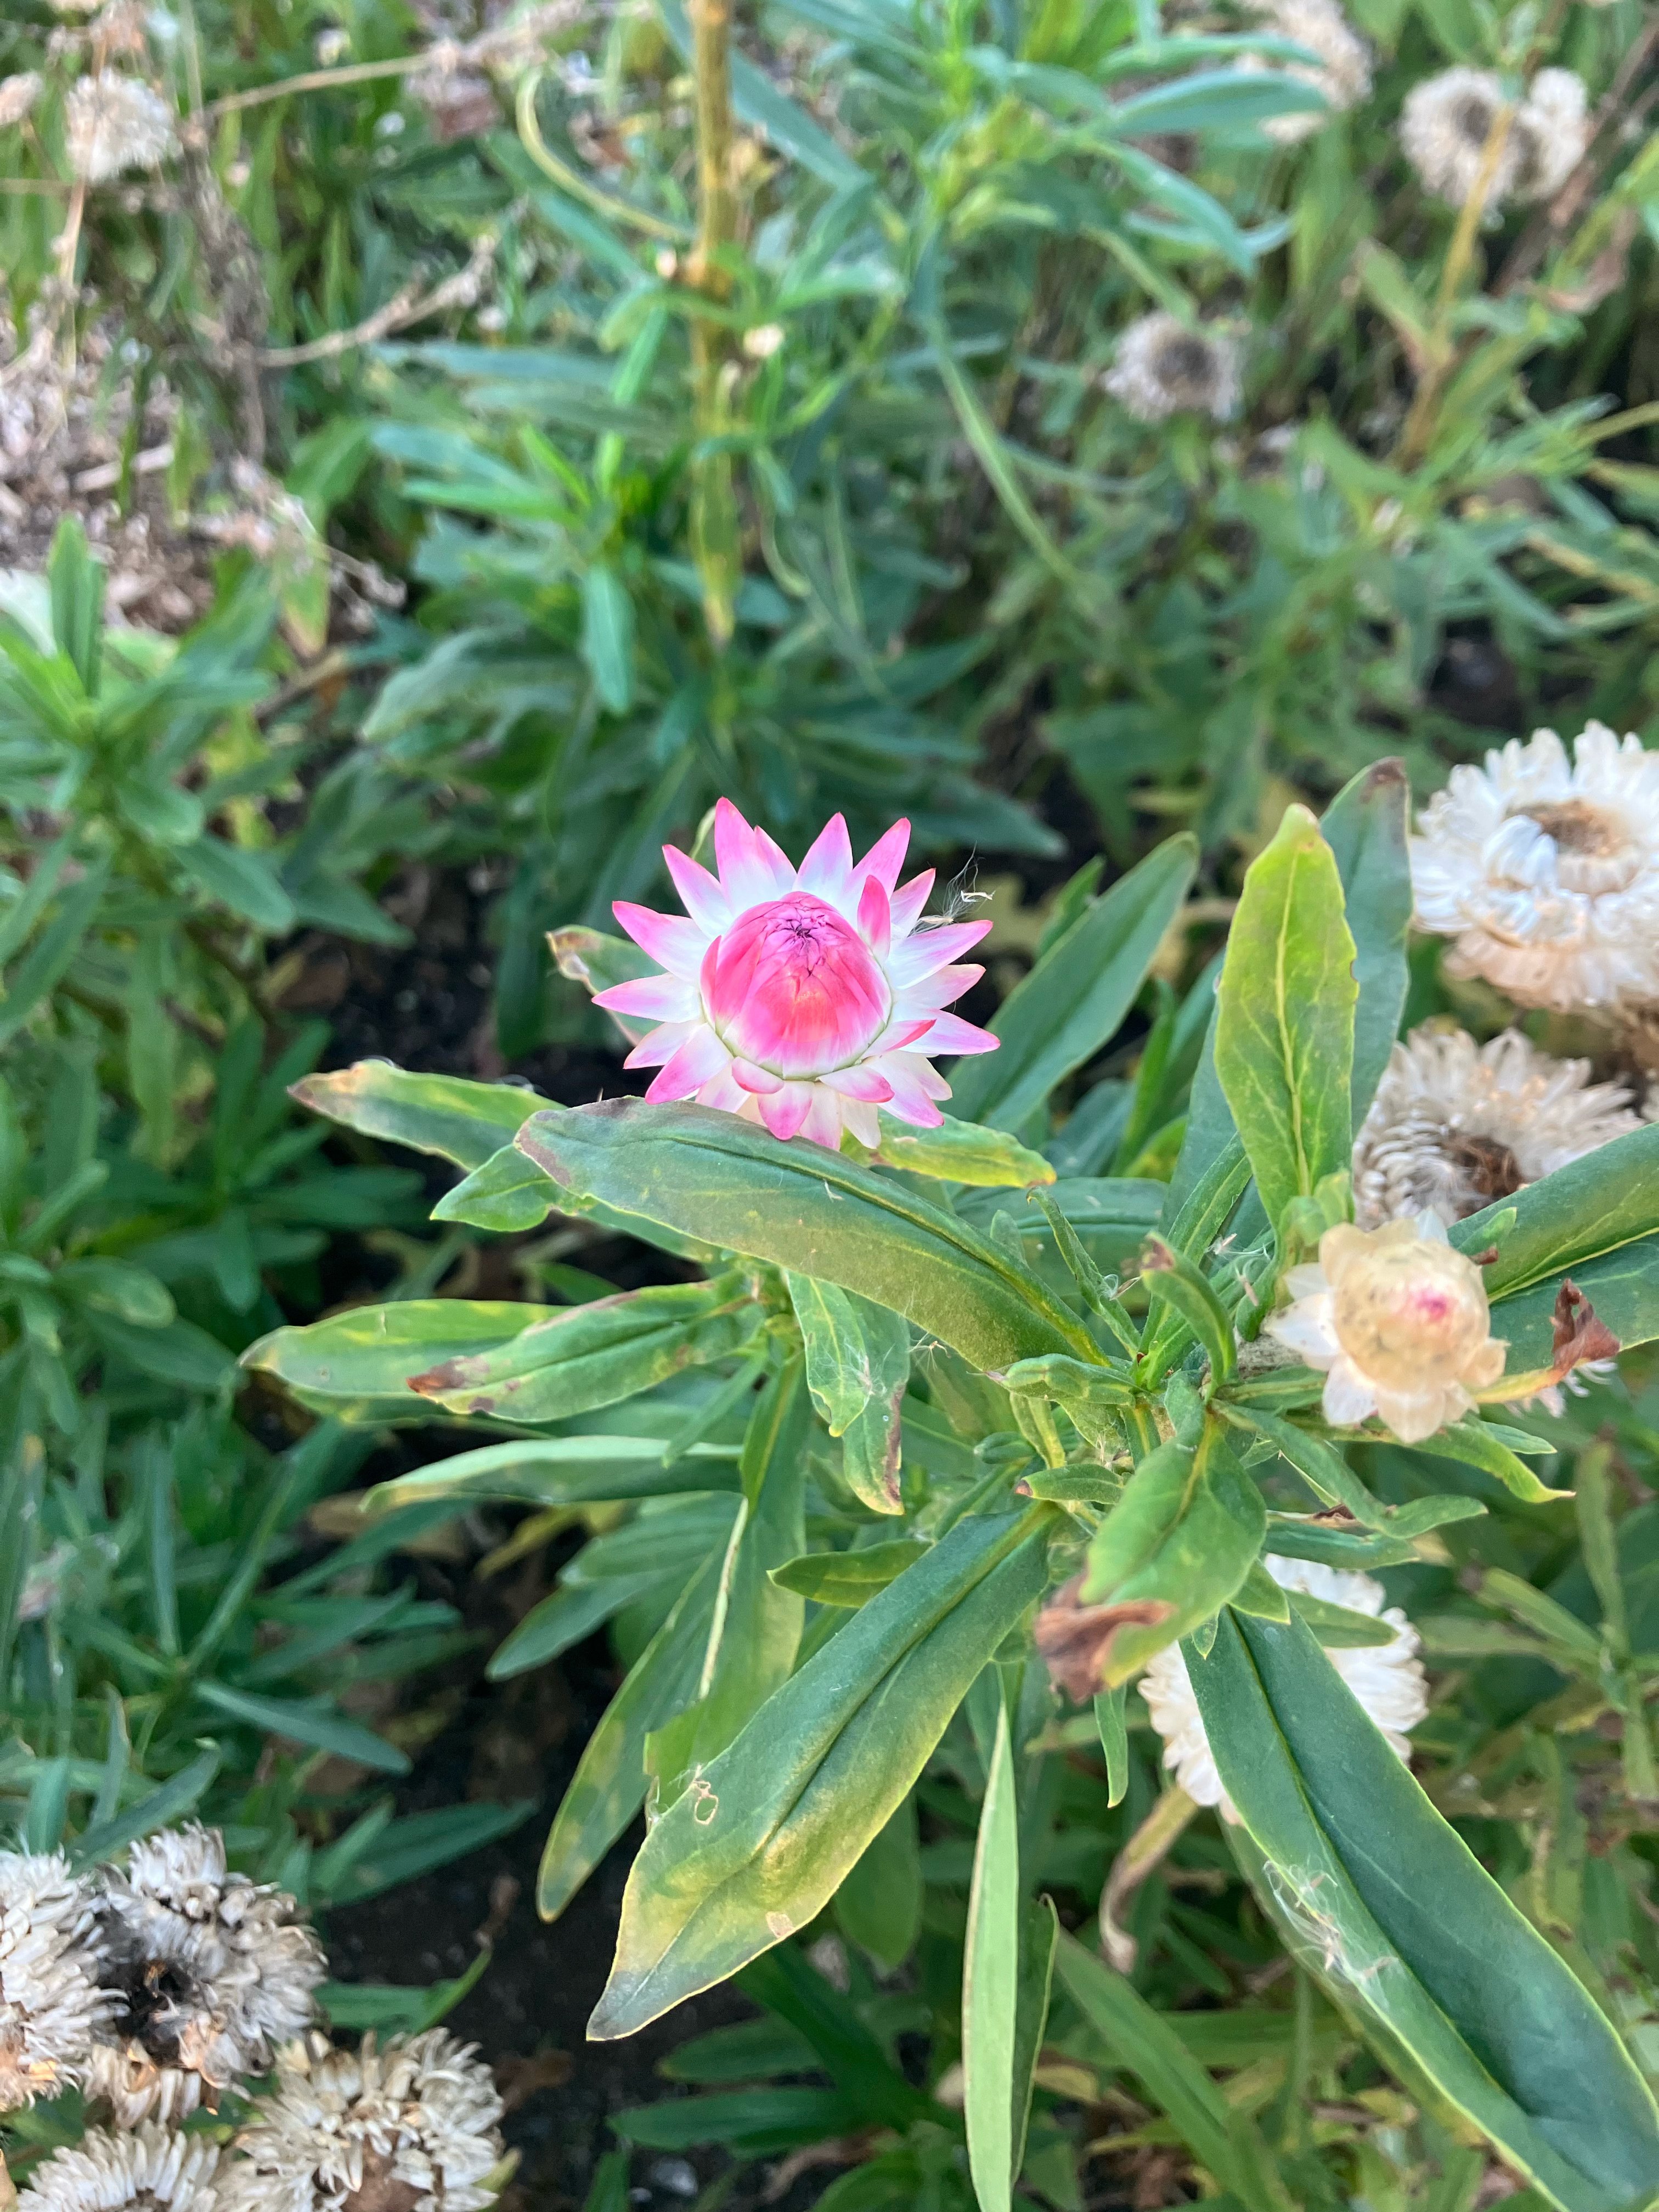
x=1145 y=1849
x=716 y=545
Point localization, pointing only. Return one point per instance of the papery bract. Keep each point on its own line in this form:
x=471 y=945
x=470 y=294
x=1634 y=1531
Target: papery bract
x=803 y=999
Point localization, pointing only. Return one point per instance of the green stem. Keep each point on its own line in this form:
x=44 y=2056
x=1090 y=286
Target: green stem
x=716 y=545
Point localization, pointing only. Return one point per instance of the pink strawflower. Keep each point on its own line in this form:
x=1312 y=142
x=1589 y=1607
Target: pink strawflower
x=801 y=998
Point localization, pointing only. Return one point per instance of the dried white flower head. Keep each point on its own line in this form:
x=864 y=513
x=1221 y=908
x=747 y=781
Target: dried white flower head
x=1457 y=1126
x=150 y=2170
x=1343 y=77
x=409 y=2129
x=210 y=1972
x=113 y=124
x=1547 y=873
x=50 y=2005
x=1447 y=120
x=17 y=96
x=1387 y=1679
x=1398 y=1324
x=1162 y=366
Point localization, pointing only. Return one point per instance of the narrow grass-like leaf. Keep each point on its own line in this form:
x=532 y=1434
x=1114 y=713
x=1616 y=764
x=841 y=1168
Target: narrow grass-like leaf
x=990 y=1975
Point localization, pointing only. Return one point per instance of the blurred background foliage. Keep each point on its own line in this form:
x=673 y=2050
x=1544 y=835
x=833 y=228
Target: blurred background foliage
x=453 y=510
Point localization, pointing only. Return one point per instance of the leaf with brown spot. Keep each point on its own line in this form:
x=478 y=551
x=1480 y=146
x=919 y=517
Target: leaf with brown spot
x=1075 y=1640
x=1578 y=1333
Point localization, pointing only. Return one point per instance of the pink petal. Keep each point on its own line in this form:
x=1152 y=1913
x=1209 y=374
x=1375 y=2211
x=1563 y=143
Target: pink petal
x=909 y=901
x=875 y=917
x=949 y=1033
x=725 y=1091
x=660 y=1044
x=828 y=866
x=783 y=1111
x=898 y=1034
x=910 y=1103
x=659 y=998
x=935 y=948
x=886 y=857
x=699 y=1057
x=759 y=1081
x=937 y=990
x=864 y=1123
x=823 y=1118
x=746 y=873
x=700 y=892
x=864 y=1082
x=900 y=1066
x=666 y=936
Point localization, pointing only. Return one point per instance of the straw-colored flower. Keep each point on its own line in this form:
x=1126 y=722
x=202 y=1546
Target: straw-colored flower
x=150 y=2169
x=1343 y=76
x=50 y=2005
x=210 y=1972
x=1164 y=367
x=1448 y=121
x=1387 y=1679
x=804 y=999
x=1546 y=872
x=1457 y=1126
x=113 y=124
x=412 y=2128
x=17 y=97
x=1397 y=1322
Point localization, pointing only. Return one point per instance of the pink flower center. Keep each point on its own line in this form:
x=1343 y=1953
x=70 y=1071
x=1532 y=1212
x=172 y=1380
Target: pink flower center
x=793 y=988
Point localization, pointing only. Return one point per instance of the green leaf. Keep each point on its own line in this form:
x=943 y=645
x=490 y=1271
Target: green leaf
x=990 y=1975
x=1365 y=826
x=116 y=1286
x=961 y=1152
x=1472 y=1443
x=244 y=883
x=47 y=959
x=162 y=1807
x=786 y=1984
x=1169 y=1278
x=1111 y=1720
x=1597 y=1208
x=858 y=1362
x=787 y=1808
x=317 y=1724
x=1215 y=100
x=466 y=1123
x=608 y=1788
x=1076 y=997
x=879 y=1902
x=1389 y=1905
x=357 y=1364
x=566 y=1616
x=1338 y=1627
x=565 y=1471
x=1322 y=1466
x=849 y=1578
x=1176 y=1545
x=1039 y=1935
x=506 y=1196
x=607 y=635
x=579 y=1358
x=1285 y=1026
x=76 y=580
x=711 y=1176
x=1145 y=2043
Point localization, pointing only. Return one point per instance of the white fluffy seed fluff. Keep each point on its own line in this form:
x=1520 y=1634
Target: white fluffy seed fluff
x=1164 y=367
x=1447 y=120
x=113 y=124
x=50 y=2005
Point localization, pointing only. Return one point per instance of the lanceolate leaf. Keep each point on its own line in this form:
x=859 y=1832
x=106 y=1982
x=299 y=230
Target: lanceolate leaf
x=780 y=1816
x=1074 y=999
x=990 y=1976
x=357 y=1364
x=858 y=1362
x=462 y=1121
x=961 y=1152
x=1365 y=826
x=1285 y=1026
x=713 y=1176
x=1390 y=1905
x=566 y=1470
x=1595 y=1210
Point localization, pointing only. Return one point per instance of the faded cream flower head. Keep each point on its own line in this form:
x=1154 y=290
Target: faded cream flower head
x=412 y=2128
x=1546 y=872
x=1343 y=76
x=150 y=2169
x=1387 y=1679
x=210 y=1972
x=1164 y=367
x=1447 y=120
x=17 y=97
x=50 y=2005
x=1397 y=1322
x=113 y=124
x=1457 y=1126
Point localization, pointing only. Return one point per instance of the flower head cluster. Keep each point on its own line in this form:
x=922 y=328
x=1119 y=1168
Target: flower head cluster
x=51 y=2004
x=1448 y=121
x=210 y=1972
x=1343 y=75
x=1387 y=1679
x=147 y=2169
x=804 y=999
x=1545 y=871
x=1164 y=367
x=411 y=2128
x=113 y=124
x=1457 y=1126
x=1397 y=1322
x=17 y=97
